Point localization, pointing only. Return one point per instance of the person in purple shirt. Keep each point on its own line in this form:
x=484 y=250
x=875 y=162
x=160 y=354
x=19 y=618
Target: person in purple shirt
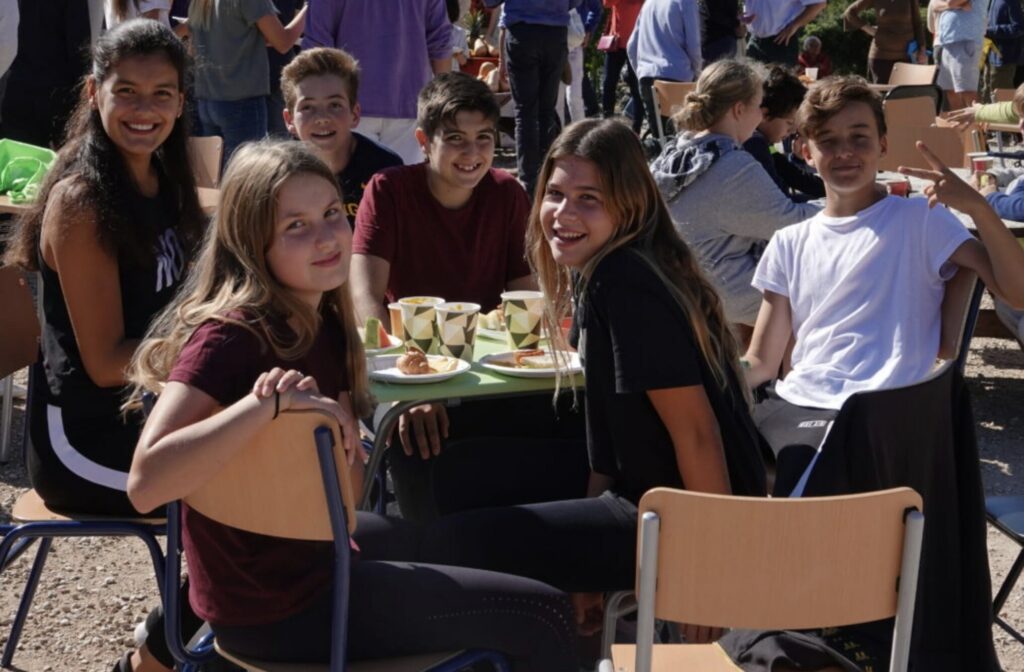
x=400 y=45
x=533 y=53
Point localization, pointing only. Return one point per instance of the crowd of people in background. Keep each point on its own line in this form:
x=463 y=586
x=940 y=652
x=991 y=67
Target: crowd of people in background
x=382 y=164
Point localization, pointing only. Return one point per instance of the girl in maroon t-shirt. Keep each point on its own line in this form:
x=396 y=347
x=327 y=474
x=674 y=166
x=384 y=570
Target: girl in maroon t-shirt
x=266 y=313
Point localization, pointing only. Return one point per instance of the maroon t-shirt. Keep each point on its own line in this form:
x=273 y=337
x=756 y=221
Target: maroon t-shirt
x=469 y=254
x=239 y=578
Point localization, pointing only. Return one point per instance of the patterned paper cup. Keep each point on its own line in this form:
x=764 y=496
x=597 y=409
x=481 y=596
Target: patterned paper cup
x=524 y=311
x=456 y=329
x=418 y=317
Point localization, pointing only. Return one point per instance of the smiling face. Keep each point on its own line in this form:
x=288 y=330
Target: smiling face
x=846 y=150
x=458 y=156
x=138 y=103
x=573 y=214
x=312 y=243
x=324 y=116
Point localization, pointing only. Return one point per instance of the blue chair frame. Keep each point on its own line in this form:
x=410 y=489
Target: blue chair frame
x=190 y=660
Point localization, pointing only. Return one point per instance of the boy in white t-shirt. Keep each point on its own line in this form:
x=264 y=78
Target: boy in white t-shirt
x=860 y=285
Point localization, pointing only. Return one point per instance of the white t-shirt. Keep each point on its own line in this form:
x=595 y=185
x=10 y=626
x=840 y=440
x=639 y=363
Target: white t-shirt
x=865 y=293
x=144 y=6
x=771 y=16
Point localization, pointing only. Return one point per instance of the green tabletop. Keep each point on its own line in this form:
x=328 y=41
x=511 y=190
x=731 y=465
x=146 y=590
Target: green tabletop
x=477 y=382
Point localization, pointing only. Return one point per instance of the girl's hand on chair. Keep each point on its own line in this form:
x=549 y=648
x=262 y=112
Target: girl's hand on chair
x=279 y=380
x=946 y=188
x=295 y=399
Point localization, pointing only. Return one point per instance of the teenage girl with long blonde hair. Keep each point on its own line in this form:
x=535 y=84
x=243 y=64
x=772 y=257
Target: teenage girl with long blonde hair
x=265 y=324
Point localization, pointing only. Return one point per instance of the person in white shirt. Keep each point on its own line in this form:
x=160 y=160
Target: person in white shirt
x=775 y=27
x=859 y=287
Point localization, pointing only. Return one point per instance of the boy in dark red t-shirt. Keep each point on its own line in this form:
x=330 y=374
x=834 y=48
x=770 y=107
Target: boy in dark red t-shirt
x=452 y=226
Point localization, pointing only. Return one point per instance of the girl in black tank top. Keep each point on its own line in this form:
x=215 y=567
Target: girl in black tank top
x=110 y=236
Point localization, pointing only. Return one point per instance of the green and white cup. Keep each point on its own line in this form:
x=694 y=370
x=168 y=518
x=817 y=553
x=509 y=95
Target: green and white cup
x=419 y=314
x=456 y=329
x=524 y=312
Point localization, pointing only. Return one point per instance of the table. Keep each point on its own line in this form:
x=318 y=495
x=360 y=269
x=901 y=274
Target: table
x=208 y=200
x=917 y=186
x=476 y=384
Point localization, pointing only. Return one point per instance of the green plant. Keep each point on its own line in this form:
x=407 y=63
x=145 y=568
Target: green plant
x=848 y=50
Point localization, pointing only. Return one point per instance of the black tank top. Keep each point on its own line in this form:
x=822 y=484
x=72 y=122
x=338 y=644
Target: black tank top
x=147 y=285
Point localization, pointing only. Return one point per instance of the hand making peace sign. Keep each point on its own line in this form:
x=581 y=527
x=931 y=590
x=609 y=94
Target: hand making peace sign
x=946 y=188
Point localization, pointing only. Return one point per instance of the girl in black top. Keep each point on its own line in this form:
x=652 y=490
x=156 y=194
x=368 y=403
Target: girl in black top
x=666 y=405
x=110 y=236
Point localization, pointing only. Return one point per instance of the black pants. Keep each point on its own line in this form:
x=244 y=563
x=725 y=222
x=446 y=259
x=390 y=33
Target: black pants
x=613 y=62
x=765 y=50
x=401 y=608
x=794 y=434
x=536 y=55
x=647 y=91
x=540 y=456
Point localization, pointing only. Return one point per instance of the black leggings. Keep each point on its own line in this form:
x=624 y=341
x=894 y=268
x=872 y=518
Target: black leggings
x=402 y=608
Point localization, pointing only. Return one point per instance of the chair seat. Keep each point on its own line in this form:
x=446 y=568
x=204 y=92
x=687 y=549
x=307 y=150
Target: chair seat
x=30 y=508
x=416 y=663
x=675 y=657
x=1007 y=513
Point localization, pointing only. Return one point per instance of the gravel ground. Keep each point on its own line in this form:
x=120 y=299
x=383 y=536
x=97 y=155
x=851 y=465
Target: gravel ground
x=94 y=591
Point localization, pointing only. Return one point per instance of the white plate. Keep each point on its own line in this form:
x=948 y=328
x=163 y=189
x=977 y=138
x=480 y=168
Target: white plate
x=393 y=343
x=493 y=334
x=488 y=363
x=382 y=368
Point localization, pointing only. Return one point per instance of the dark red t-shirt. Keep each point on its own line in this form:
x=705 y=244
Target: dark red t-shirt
x=469 y=254
x=239 y=578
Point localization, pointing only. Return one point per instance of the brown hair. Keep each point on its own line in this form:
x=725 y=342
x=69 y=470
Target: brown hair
x=643 y=222
x=450 y=93
x=720 y=86
x=829 y=96
x=232 y=276
x=315 y=62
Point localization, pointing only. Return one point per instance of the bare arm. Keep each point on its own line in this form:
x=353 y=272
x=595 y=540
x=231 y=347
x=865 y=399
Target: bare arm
x=851 y=17
x=369 y=278
x=439 y=65
x=89 y=279
x=690 y=421
x=802 y=19
x=185 y=441
x=772 y=332
x=282 y=38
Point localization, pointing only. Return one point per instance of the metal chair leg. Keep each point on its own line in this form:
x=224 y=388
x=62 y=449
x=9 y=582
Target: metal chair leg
x=6 y=417
x=26 y=601
x=1008 y=583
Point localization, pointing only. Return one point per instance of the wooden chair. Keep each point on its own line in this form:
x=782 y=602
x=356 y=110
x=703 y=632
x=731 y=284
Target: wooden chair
x=766 y=563
x=293 y=481
x=19 y=343
x=205 y=155
x=908 y=74
x=1004 y=95
x=960 y=306
x=32 y=520
x=946 y=143
x=668 y=97
x=912 y=112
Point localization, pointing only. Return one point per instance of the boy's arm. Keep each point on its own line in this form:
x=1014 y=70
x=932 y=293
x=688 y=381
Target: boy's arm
x=772 y=333
x=997 y=259
x=369 y=278
x=801 y=20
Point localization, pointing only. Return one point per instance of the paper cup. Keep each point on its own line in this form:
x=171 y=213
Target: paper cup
x=395 y=312
x=812 y=74
x=898 y=187
x=524 y=312
x=981 y=164
x=456 y=329
x=419 y=314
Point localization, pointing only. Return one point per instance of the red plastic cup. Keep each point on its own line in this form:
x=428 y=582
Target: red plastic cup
x=898 y=187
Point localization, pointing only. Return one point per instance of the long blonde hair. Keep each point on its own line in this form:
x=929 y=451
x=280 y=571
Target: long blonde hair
x=232 y=275
x=642 y=221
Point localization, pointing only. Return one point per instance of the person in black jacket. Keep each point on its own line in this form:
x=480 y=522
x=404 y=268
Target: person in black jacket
x=783 y=93
x=1005 y=29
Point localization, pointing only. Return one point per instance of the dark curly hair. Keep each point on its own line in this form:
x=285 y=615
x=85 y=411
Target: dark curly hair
x=97 y=166
x=783 y=92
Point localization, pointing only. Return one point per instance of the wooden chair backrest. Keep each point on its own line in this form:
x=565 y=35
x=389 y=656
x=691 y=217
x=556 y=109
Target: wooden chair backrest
x=1004 y=95
x=751 y=562
x=946 y=143
x=19 y=337
x=956 y=305
x=273 y=486
x=912 y=73
x=671 y=95
x=205 y=154
x=915 y=112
